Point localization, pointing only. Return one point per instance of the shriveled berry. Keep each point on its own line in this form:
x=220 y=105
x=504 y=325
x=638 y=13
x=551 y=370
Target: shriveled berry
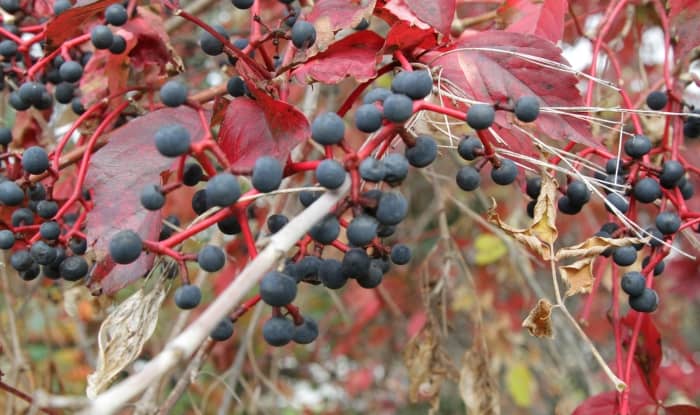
x=480 y=116
x=423 y=152
x=222 y=190
x=327 y=129
x=527 y=108
x=277 y=289
x=278 y=331
x=125 y=247
x=187 y=297
x=267 y=174
x=211 y=258
x=468 y=178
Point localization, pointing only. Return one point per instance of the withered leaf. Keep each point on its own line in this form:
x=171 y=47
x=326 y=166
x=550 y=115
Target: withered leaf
x=579 y=276
x=539 y=321
x=592 y=247
x=124 y=332
x=477 y=385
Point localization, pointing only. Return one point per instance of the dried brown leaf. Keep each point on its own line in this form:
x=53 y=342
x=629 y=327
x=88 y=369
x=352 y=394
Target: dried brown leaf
x=592 y=247
x=427 y=365
x=539 y=321
x=124 y=332
x=477 y=385
x=579 y=276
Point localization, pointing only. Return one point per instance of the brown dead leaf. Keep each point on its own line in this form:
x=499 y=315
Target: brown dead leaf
x=543 y=231
x=592 y=247
x=539 y=321
x=124 y=332
x=579 y=276
x=477 y=385
x=427 y=365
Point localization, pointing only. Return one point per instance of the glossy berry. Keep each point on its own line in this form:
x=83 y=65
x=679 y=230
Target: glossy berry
x=668 y=223
x=327 y=129
x=480 y=116
x=267 y=174
x=125 y=247
x=35 y=160
x=303 y=34
x=566 y=206
x=400 y=254
x=5 y=136
x=229 y=226
x=657 y=100
x=277 y=289
x=236 y=86
x=468 y=178
x=527 y=108
x=118 y=45
x=372 y=170
x=187 y=297
x=306 y=332
x=192 y=174
x=101 y=37
x=330 y=174
x=625 y=255
x=362 y=230
x=73 y=268
x=633 y=283
x=326 y=230
x=637 y=146
x=470 y=147
x=646 y=190
x=392 y=208
x=242 y=4
x=671 y=174
x=395 y=168
x=116 y=15
x=223 y=190
x=278 y=331
x=173 y=93
x=211 y=258
x=211 y=45
x=152 y=197
x=276 y=222
x=647 y=302
x=423 y=152
x=7 y=239
x=50 y=230
x=71 y=71
x=10 y=193
x=376 y=95
x=331 y=275
x=397 y=108
x=368 y=118
x=172 y=140
x=617 y=201
x=223 y=330
x=505 y=173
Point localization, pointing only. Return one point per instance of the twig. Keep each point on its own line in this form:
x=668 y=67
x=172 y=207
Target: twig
x=186 y=343
x=186 y=377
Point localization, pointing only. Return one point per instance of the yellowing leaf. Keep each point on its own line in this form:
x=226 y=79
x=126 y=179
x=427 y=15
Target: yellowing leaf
x=489 y=249
x=519 y=381
x=124 y=332
x=539 y=321
x=543 y=231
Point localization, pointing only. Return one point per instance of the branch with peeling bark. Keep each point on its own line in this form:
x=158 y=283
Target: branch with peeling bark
x=183 y=346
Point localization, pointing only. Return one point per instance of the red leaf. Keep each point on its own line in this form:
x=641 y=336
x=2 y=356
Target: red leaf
x=684 y=25
x=354 y=55
x=116 y=175
x=542 y=18
x=501 y=78
x=436 y=14
x=69 y=23
x=606 y=404
x=647 y=354
x=341 y=14
x=260 y=126
x=682 y=410
x=403 y=36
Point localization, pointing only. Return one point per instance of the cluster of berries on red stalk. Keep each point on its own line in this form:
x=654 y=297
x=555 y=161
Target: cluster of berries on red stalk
x=46 y=236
